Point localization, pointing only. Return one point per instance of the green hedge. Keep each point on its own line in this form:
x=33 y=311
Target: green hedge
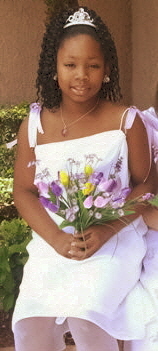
x=14 y=232
x=10 y=120
x=14 y=236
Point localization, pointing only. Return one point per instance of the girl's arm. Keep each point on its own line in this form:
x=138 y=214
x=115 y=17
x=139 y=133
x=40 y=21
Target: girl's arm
x=144 y=180
x=26 y=197
x=151 y=218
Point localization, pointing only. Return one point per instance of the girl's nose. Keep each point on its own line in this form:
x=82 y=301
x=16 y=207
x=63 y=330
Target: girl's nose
x=82 y=73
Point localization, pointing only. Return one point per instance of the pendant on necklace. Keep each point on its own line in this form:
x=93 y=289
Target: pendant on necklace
x=64 y=131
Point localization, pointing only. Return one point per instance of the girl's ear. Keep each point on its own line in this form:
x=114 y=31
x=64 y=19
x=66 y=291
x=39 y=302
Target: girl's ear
x=107 y=70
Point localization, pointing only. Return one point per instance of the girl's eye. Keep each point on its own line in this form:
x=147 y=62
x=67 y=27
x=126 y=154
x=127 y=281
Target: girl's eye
x=94 y=66
x=70 y=65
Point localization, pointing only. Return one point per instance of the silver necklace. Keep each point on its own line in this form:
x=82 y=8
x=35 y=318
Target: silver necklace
x=64 y=130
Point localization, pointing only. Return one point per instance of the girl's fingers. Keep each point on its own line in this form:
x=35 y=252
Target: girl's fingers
x=82 y=237
x=78 y=244
x=77 y=255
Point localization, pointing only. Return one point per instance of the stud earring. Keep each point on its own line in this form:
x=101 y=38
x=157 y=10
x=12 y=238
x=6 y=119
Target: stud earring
x=55 y=77
x=106 y=79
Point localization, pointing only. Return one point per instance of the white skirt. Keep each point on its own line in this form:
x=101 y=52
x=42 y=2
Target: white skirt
x=104 y=289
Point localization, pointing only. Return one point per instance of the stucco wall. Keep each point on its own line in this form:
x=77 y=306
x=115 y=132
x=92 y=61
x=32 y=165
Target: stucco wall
x=145 y=52
x=133 y=23
x=21 y=28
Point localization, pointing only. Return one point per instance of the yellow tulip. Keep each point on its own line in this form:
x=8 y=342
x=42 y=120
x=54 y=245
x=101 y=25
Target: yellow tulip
x=89 y=187
x=88 y=170
x=64 y=178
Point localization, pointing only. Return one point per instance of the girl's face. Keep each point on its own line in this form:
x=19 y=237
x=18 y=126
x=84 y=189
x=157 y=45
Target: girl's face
x=80 y=68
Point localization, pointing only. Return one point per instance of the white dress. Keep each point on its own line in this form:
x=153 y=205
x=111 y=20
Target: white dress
x=106 y=288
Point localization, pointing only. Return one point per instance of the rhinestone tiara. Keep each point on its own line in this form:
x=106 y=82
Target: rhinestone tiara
x=79 y=17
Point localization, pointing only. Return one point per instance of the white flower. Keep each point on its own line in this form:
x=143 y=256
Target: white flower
x=72 y=218
x=75 y=209
x=74 y=189
x=74 y=202
x=62 y=212
x=121 y=213
x=98 y=215
x=91 y=213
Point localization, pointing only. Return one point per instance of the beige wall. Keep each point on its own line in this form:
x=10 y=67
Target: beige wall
x=21 y=28
x=134 y=26
x=145 y=52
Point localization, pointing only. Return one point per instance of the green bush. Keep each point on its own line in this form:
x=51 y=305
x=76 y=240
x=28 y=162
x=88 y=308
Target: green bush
x=6 y=191
x=7 y=208
x=14 y=237
x=14 y=232
x=10 y=120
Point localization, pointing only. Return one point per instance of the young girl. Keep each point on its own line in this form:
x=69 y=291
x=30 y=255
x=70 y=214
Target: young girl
x=90 y=287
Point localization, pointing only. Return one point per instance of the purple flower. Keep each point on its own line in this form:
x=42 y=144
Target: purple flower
x=48 y=204
x=118 y=185
x=101 y=201
x=43 y=188
x=107 y=185
x=117 y=203
x=56 y=189
x=88 y=202
x=96 y=177
x=125 y=192
x=147 y=196
x=70 y=216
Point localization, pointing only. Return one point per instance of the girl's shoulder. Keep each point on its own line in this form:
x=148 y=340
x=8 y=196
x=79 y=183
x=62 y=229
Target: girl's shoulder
x=114 y=114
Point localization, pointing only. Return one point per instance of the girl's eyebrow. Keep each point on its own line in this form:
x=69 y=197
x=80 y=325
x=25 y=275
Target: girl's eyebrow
x=89 y=57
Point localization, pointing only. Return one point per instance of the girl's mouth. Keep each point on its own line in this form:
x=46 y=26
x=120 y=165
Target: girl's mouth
x=79 y=90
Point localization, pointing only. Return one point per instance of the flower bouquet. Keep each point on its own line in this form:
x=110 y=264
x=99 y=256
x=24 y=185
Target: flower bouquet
x=87 y=197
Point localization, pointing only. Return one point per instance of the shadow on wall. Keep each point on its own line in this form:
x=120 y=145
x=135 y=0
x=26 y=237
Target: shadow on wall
x=156 y=99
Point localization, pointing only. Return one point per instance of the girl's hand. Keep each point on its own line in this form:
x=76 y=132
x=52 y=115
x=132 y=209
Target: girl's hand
x=86 y=244
x=63 y=243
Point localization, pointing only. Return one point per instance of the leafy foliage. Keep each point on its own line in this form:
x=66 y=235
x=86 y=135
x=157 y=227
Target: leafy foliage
x=14 y=237
x=10 y=120
x=6 y=191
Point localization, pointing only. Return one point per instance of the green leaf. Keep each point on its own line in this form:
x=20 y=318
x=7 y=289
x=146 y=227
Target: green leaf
x=154 y=201
x=9 y=284
x=8 y=302
x=3 y=276
x=62 y=206
x=52 y=197
x=14 y=236
x=4 y=259
x=66 y=223
x=2 y=293
x=21 y=261
x=84 y=214
x=18 y=248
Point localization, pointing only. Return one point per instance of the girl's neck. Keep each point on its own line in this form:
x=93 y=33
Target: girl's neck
x=71 y=109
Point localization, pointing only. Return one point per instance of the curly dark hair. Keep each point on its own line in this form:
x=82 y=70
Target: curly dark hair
x=47 y=88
